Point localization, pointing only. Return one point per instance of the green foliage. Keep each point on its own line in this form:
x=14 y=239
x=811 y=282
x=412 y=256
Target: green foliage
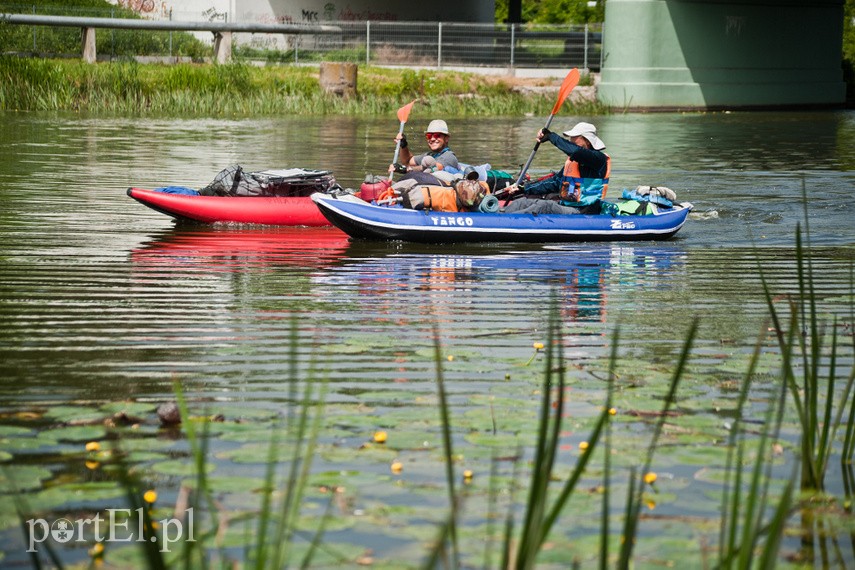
x=555 y=12
x=115 y=43
x=849 y=31
x=849 y=48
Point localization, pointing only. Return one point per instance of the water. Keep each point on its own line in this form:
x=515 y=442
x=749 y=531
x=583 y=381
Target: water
x=104 y=304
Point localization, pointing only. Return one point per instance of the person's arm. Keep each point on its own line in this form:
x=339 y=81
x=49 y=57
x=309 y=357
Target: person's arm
x=546 y=186
x=405 y=156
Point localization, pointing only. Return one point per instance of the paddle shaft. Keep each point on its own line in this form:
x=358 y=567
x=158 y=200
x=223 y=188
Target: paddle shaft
x=569 y=84
x=533 y=152
x=397 y=149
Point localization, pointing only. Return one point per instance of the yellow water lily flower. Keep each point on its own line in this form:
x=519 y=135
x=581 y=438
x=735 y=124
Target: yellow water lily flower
x=93 y=446
x=150 y=496
x=397 y=467
x=650 y=478
x=380 y=437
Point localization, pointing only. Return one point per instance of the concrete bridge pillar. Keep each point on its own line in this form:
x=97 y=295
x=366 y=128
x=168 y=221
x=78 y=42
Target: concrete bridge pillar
x=722 y=54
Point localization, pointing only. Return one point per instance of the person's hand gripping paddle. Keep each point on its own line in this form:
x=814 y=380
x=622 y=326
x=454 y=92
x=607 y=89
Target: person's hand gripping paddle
x=403 y=115
x=570 y=82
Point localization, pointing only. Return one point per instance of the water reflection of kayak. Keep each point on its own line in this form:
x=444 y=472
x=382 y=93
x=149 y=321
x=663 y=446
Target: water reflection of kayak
x=362 y=220
x=579 y=276
x=230 y=249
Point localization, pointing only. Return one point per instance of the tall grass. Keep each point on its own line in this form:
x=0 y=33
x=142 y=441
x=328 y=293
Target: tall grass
x=811 y=372
x=744 y=506
x=28 y=84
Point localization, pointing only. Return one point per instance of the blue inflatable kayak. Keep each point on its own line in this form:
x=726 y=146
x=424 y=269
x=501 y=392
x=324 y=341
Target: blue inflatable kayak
x=362 y=220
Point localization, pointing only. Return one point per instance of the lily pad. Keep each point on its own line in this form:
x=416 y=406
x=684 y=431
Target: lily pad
x=22 y=477
x=130 y=408
x=510 y=442
x=14 y=431
x=83 y=492
x=182 y=468
x=258 y=452
x=75 y=414
x=79 y=433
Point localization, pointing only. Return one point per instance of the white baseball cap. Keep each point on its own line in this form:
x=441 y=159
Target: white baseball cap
x=588 y=131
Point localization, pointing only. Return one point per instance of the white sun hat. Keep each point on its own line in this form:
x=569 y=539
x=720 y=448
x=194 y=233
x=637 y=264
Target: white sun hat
x=437 y=126
x=588 y=131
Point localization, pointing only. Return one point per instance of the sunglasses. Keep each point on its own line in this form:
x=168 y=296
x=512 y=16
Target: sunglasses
x=429 y=136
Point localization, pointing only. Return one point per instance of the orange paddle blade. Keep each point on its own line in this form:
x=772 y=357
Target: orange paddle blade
x=404 y=112
x=570 y=83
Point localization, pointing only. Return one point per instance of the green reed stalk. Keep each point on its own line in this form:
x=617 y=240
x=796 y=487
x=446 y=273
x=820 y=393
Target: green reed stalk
x=132 y=487
x=544 y=455
x=849 y=436
x=265 y=515
x=727 y=532
x=507 y=541
x=636 y=492
x=492 y=497
x=818 y=429
x=743 y=524
x=199 y=453
x=22 y=509
x=298 y=475
x=539 y=519
x=448 y=451
x=757 y=498
x=607 y=456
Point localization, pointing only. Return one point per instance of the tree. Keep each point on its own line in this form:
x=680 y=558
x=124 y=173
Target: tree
x=556 y=11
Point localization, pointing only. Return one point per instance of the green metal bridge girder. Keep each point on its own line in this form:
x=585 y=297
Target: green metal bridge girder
x=722 y=54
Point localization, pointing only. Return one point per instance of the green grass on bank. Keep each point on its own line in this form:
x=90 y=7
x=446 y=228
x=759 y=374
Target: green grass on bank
x=28 y=84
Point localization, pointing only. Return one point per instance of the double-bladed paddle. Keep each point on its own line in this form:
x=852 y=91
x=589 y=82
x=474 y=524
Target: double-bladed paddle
x=403 y=115
x=569 y=83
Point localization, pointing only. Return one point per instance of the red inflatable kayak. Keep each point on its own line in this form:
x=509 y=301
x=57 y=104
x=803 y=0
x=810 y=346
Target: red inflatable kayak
x=269 y=210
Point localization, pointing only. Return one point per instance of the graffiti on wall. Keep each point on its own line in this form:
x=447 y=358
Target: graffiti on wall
x=347 y=14
x=734 y=25
x=148 y=8
x=273 y=19
x=141 y=6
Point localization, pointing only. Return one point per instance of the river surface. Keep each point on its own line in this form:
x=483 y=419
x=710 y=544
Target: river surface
x=105 y=303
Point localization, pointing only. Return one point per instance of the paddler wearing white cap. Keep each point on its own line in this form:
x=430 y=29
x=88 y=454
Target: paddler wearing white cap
x=579 y=185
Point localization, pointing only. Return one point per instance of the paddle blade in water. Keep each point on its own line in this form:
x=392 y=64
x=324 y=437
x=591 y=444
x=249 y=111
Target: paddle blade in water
x=404 y=112
x=570 y=83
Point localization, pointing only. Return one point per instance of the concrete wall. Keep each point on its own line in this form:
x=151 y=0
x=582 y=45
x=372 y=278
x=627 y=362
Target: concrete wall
x=314 y=11
x=712 y=54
